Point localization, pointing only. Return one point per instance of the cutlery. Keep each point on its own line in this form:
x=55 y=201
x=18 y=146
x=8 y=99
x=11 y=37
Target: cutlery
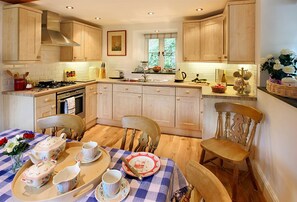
x=131 y=168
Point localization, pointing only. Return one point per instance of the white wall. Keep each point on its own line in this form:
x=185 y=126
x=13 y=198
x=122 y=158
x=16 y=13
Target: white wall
x=275 y=156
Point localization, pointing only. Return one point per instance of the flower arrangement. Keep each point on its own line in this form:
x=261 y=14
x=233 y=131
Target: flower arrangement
x=281 y=67
x=17 y=144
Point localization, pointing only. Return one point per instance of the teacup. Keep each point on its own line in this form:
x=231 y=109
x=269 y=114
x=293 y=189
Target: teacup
x=111 y=181
x=90 y=150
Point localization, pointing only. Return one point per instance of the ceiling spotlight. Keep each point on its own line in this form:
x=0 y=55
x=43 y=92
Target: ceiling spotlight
x=199 y=9
x=69 y=7
x=97 y=18
x=150 y=13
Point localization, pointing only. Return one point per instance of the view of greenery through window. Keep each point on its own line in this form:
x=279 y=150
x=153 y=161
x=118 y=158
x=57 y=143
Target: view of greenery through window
x=156 y=51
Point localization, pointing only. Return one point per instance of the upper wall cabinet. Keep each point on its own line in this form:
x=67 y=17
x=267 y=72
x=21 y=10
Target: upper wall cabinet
x=21 y=34
x=239 y=32
x=89 y=38
x=191 y=37
x=212 y=39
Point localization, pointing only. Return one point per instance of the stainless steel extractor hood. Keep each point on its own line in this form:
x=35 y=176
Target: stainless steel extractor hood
x=50 y=33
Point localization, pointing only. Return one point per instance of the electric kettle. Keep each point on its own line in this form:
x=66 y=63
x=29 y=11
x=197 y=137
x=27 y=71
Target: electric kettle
x=180 y=76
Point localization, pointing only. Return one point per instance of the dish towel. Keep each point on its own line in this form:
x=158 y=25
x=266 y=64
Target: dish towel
x=69 y=107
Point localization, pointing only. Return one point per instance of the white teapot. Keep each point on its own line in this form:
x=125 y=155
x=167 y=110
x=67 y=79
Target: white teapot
x=50 y=148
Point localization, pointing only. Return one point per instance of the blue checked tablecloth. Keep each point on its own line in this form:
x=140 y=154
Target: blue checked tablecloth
x=159 y=187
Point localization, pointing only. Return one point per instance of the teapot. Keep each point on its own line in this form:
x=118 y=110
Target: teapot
x=180 y=76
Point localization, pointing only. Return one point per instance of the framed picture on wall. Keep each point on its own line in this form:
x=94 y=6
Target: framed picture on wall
x=116 y=43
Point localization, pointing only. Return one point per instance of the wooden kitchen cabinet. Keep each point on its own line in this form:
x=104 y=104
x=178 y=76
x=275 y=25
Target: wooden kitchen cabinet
x=91 y=105
x=191 y=41
x=21 y=34
x=104 y=109
x=89 y=38
x=239 y=44
x=188 y=108
x=127 y=100
x=159 y=104
x=212 y=39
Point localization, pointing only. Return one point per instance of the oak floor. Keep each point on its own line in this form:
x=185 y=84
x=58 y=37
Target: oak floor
x=181 y=150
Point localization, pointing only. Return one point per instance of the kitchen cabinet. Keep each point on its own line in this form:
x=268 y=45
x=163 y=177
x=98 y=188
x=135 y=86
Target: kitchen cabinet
x=212 y=39
x=188 y=108
x=239 y=25
x=127 y=100
x=89 y=38
x=44 y=106
x=104 y=109
x=91 y=105
x=191 y=41
x=21 y=34
x=158 y=104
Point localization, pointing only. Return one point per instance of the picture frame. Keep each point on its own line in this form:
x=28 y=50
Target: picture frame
x=116 y=43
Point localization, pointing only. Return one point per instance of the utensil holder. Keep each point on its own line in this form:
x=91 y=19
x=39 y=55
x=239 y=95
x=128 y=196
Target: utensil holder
x=20 y=84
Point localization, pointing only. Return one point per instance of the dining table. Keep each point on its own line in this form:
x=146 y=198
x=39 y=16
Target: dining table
x=162 y=186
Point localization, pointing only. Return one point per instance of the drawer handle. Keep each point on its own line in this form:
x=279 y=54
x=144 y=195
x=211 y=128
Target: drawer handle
x=187 y=92
x=126 y=88
x=53 y=107
x=178 y=99
x=139 y=96
x=158 y=90
x=105 y=87
x=95 y=93
x=91 y=88
x=100 y=93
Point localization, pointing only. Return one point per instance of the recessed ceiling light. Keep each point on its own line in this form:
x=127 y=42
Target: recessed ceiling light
x=156 y=31
x=150 y=13
x=69 y=7
x=97 y=18
x=199 y=9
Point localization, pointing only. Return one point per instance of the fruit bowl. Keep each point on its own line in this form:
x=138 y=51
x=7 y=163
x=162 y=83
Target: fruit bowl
x=156 y=68
x=218 y=89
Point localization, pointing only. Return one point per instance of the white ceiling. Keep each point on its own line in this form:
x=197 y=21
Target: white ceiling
x=116 y=12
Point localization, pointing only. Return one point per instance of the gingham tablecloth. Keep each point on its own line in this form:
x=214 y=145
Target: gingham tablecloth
x=159 y=187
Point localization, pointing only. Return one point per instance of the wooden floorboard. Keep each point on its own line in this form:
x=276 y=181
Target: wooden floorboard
x=181 y=150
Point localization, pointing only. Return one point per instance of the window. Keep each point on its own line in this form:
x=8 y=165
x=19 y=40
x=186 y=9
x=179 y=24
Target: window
x=161 y=50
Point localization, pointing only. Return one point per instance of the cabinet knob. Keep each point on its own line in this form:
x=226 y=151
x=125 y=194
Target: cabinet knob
x=38 y=57
x=225 y=56
x=100 y=93
x=126 y=88
x=74 y=58
x=95 y=93
x=86 y=58
x=177 y=99
x=139 y=96
x=46 y=100
x=105 y=87
x=158 y=90
x=53 y=106
x=187 y=92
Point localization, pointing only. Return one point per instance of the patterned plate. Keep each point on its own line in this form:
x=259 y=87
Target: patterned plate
x=145 y=163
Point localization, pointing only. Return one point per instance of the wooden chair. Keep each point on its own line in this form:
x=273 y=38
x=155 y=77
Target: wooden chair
x=72 y=125
x=233 y=138
x=205 y=183
x=150 y=130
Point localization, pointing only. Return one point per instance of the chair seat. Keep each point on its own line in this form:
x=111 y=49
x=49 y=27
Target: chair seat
x=225 y=149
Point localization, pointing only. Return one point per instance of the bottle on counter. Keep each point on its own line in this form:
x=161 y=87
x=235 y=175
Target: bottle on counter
x=224 y=80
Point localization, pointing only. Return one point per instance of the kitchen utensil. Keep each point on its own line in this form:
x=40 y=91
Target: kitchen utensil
x=25 y=75
x=67 y=179
x=180 y=76
x=145 y=163
x=131 y=168
x=10 y=73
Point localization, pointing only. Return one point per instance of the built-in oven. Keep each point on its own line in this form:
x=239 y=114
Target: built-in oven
x=78 y=94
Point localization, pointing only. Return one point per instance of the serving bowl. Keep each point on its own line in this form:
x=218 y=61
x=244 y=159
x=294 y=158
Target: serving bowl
x=218 y=89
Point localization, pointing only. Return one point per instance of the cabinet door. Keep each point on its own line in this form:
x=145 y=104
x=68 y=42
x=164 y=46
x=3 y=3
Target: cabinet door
x=191 y=33
x=92 y=43
x=126 y=104
x=212 y=39
x=187 y=113
x=160 y=108
x=78 y=37
x=105 y=105
x=241 y=33
x=91 y=102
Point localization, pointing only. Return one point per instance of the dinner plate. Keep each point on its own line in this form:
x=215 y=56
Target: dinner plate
x=121 y=195
x=80 y=157
x=145 y=163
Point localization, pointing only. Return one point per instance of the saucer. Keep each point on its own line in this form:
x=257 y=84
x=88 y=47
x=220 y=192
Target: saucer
x=79 y=157
x=121 y=195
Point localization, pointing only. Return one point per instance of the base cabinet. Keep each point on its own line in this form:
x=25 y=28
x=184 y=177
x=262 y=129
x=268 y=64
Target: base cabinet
x=104 y=103
x=91 y=105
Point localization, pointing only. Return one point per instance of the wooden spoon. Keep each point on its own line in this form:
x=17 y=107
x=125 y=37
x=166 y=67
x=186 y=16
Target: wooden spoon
x=9 y=73
x=25 y=75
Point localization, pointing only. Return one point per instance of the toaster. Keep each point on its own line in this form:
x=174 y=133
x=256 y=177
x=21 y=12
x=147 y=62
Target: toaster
x=116 y=74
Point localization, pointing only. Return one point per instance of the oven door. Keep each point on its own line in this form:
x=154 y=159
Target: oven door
x=78 y=94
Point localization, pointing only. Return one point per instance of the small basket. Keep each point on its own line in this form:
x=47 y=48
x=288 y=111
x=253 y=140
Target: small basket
x=282 y=90
x=221 y=89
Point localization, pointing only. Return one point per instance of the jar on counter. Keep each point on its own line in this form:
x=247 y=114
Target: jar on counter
x=20 y=84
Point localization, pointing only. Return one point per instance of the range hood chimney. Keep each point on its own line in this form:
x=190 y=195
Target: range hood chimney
x=50 y=33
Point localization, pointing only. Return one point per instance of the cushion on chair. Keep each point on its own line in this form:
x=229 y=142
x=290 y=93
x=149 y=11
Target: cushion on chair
x=225 y=149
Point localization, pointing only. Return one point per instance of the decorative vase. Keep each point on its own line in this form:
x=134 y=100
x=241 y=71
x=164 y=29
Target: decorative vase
x=17 y=162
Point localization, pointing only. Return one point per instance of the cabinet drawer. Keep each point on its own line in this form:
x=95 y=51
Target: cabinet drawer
x=105 y=87
x=154 y=90
x=46 y=100
x=127 y=88
x=188 y=92
x=91 y=88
